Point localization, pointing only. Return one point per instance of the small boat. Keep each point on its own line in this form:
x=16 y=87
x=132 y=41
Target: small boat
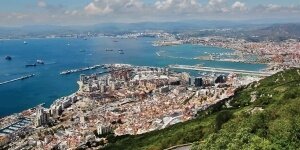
x=8 y=58
x=31 y=65
x=41 y=62
x=82 y=50
x=108 y=50
x=121 y=52
x=25 y=42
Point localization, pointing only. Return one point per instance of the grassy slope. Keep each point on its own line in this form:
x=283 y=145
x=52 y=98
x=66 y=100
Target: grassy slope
x=276 y=127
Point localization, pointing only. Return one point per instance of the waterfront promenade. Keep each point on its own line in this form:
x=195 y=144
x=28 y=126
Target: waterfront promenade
x=220 y=70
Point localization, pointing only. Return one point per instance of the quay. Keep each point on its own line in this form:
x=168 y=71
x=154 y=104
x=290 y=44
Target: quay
x=17 y=79
x=102 y=72
x=220 y=70
x=80 y=69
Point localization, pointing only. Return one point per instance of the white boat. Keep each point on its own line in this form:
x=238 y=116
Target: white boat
x=40 y=61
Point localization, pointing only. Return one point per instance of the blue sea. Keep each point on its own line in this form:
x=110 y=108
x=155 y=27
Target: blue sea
x=69 y=53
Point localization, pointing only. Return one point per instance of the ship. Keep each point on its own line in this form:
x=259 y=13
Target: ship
x=31 y=65
x=108 y=49
x=41 y=62
x=8 y=58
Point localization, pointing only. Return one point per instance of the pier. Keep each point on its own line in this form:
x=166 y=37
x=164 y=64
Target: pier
x=103 y=72
x=80 y=69
x=17 y=79
x=220 y=70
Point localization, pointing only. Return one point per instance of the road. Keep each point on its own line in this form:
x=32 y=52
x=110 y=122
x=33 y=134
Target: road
x=221 y=70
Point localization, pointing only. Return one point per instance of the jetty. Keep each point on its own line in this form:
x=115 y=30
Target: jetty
x=102 y=72
x=17 y=79
x=66 y=72
x=220 y=70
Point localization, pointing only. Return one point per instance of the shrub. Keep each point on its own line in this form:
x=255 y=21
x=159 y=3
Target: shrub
x=221 y=118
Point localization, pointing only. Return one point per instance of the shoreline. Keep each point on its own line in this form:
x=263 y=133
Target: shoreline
x=81 y=108
x=51 y=101
x=269 y=65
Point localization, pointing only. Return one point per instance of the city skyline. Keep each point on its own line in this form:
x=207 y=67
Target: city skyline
x=82 y=12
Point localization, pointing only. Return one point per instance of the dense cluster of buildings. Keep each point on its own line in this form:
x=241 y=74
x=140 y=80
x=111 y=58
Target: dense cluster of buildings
x=278 y=55
x=127 y=100
x=286 y=52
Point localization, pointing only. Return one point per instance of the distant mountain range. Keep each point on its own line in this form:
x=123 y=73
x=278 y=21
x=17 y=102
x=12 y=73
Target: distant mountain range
x=246 y=30
x=278 y=32
x=121 y=27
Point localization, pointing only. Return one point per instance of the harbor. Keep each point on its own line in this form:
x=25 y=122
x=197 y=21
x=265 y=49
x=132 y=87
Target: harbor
x=51 y=85
x=17 y=79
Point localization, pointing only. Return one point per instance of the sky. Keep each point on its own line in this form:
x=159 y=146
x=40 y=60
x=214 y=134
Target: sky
x=86 y=12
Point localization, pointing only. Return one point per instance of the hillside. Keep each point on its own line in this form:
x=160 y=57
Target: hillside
x=276 y=32
x=264 y=115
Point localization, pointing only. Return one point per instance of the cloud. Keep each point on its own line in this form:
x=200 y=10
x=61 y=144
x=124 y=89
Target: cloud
x=134 y=4
x=217 y=6
x=190 y=4
x=177 y=6
x=93 y=9
x=273 y=7
x=73 y=12
x=164 y=4
x=239 y=6
x=277 y=9
x=41 y=3
x=98 y=11
x=100 y=7
x=216 y=2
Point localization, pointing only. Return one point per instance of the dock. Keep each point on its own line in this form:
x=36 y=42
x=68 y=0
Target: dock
x=17 y=79
x=221 y=70
x=66 y=72
x=103 y=72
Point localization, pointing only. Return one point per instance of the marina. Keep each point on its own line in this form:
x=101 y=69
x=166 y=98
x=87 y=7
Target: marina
x=14 y=127
x=17 y=79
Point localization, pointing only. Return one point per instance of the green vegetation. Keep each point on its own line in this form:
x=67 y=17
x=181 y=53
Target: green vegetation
x=270 y=121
